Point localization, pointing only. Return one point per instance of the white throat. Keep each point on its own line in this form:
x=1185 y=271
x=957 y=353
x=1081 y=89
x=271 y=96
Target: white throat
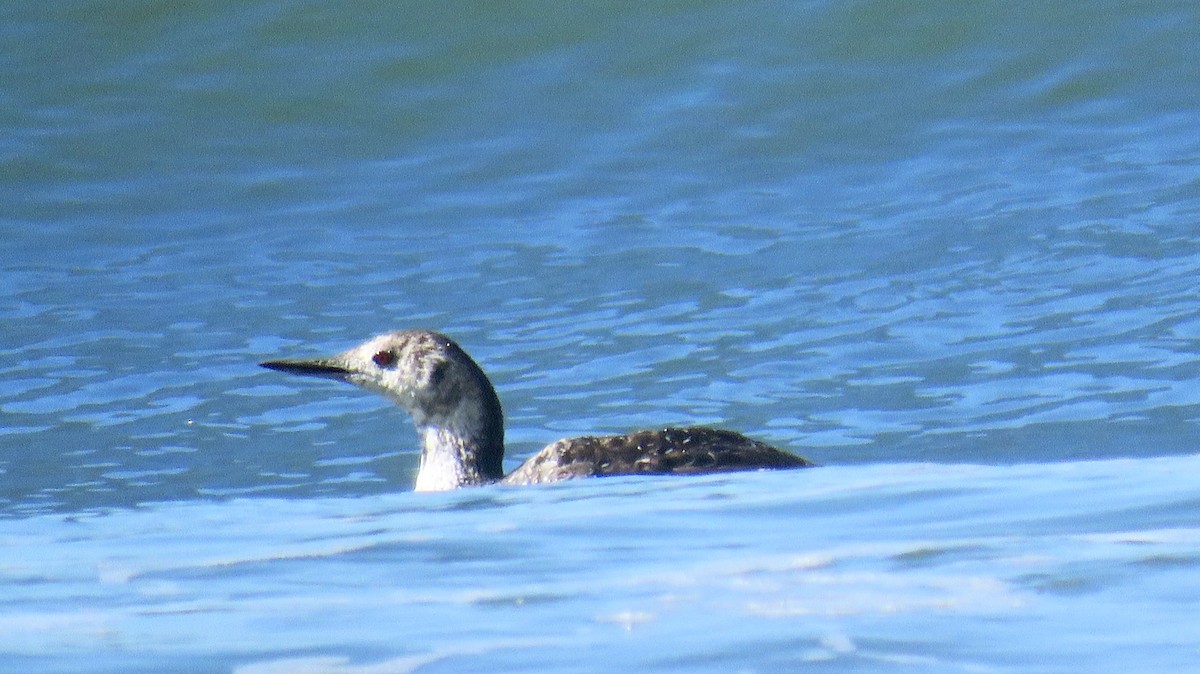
x=442 y=466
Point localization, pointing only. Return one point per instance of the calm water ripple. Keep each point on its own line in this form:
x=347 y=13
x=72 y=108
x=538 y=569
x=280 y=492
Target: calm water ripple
x=947 y=250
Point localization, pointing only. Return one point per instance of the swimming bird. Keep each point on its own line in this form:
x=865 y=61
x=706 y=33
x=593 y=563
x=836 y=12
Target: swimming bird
x=461 y=425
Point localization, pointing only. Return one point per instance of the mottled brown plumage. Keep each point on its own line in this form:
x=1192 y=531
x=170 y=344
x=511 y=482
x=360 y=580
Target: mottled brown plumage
x=461 y=424
x=677 y=451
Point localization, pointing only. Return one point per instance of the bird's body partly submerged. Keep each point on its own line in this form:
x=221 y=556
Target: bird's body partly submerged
x=461 y=424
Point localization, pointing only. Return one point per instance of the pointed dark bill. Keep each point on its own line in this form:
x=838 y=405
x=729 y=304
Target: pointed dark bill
x=312 y=368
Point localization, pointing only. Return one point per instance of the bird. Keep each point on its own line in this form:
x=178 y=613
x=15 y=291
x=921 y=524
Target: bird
x=460 y=422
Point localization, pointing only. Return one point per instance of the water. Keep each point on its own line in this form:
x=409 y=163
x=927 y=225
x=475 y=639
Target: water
x=950 y=251
x=896 y=567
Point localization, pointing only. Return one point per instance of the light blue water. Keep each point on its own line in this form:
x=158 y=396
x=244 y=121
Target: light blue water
x=950 y=251
x=881 y=568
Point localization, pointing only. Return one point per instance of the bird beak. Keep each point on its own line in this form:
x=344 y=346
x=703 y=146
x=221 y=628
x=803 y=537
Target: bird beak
x=320 y=367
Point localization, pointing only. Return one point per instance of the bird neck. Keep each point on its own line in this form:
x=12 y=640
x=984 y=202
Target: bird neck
x=462 y=431
x=451 y=459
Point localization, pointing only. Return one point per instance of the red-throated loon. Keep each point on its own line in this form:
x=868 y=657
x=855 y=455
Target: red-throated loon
x=461 y=425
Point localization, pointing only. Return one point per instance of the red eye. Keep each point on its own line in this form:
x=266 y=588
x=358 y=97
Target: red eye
x=384 y=358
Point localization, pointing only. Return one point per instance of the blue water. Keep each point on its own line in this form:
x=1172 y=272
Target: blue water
x=950 y=251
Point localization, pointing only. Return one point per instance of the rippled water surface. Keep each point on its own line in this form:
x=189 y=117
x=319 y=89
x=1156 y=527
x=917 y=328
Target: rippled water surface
x=949 y=251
